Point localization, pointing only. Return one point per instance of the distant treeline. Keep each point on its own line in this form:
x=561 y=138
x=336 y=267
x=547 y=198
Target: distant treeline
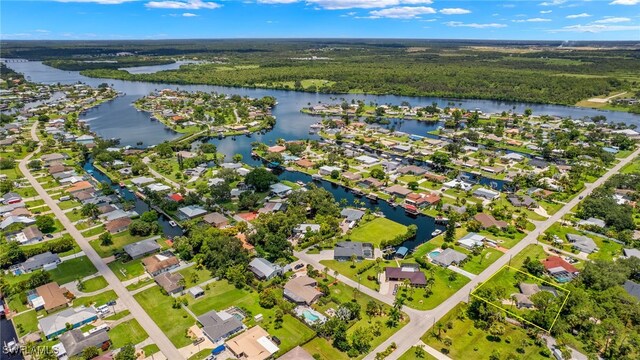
x=79 y=65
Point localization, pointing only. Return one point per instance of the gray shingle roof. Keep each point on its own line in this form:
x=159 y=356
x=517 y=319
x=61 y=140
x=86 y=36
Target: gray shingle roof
x=449 y=256
x=75 y=342
x=140 y=248
x=345 y=249
x=218 y=325
x=38 y=261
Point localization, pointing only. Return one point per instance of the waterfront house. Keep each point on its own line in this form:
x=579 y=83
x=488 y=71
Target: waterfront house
x=253 y=344
x=522 y=201
x=486 y=193
x=397 y=190
x=53 y=296
x=411 y=170
x=56 y=324
x=449 y=257
x=218 y=326
x=366 y=160
x=85 y=139
x=264 y=269
x=280 y=189
x=458 y=184
x=370 y=183
x=157 y=187
x=141 y=248
x=421 y=200
x=582 y=243
x=50 y=159
x=75 y=341
x=80 y=186
x=409 y=272
x=159 y=263
x=302 y=290
x=190 y=212
x=327 y=170
x=344 y=250
x=351 y=216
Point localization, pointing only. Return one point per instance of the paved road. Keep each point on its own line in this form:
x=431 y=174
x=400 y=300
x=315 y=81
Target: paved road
x=421 y=321
x=125 y=297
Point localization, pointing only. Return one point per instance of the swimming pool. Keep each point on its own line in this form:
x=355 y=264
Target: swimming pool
x=310 y=316
x=434 y=253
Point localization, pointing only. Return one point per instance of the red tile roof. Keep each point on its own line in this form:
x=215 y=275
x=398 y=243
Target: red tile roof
x=556 y=261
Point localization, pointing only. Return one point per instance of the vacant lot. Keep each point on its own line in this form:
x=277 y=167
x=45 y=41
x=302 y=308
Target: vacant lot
x=376 y=231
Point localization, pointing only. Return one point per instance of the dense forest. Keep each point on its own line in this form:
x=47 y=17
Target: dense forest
x=516 y=71
x=119 y=62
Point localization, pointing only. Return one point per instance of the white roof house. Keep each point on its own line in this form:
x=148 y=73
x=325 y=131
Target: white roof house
x=472 y=240
x=367 y=160
x=158 y=187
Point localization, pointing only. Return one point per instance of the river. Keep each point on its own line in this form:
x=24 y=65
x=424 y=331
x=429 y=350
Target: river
x=119 y=119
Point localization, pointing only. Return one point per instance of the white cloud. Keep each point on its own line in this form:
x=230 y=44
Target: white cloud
x=532 y=20
x=402 y=12
x=103 y=2
x=474 y=25
x=598 y=28
x=546 y=11
x=612 y=20
x=454 y=11
x=577 y=16
x=277 y=1
x=362 y=4
x=625 y=2
x=189 y=14
x=178 y=4
x=553 y=2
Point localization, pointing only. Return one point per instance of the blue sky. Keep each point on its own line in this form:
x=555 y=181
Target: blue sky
x=174 y=19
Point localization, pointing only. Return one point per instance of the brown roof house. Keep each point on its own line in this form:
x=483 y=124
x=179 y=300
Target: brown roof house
x=171 y=282
x=487 y=221
x=216 y=219
x=302 y=290
x=159 y=263
x=53 y=296
x=118 y=225
x=407 y=272
x=253 y=344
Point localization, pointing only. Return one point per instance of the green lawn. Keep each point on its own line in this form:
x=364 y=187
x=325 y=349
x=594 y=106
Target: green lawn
x=411 y=354
x=15 y=303
x=98 y=299
x=477 y=264
x=469 y=342
x=127 y=270
x=344 y=268
x=150 y=349
x=194 y=276
x=128 y=332
x=200 y=355
x=26 y=322
x=323 y=349
x=94 y=284
x=173 y=322
x=72 y=269
x=93 y=232
x=118 y=315
x=139 y=284
x=376 y=231
x=442 y=289
x=119 y=241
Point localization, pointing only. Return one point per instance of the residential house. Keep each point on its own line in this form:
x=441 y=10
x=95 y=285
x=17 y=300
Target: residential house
x=305 y=228
x=421 y=200
x=370 y=183
x=351 y=216
x=559 y=269
x=11 y=198
x=628 y=253
x=632 y=288
x=582 y=243
x=253 y=344
x=397 y=190
x=486 y=193
x=487 y=221
x=118 y=225
x=171 y=282
x=448 y=257
x=344 y=250
x=53 y=296
x=29 y=235
x=159 y=263
x=471 y=241
x=218 y=326
x=592 y=222
x=85 y=139
x=46 y=260
x=264 y=269
x=190 y=212
x=327 y=170
x=80 y=186
x=50 y=159
x=141 y=248
x=409 y=272
x=216 y=219
x=522 y=201
x=302 y=290
x=56 y=324
x=75 y=341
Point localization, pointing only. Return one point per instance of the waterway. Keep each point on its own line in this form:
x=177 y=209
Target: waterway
x=119 y=119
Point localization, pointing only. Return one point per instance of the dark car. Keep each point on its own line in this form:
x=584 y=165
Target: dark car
x=111 y=303
x=298 y=267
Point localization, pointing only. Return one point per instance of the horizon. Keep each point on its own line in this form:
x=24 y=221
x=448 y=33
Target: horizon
x=554 y=20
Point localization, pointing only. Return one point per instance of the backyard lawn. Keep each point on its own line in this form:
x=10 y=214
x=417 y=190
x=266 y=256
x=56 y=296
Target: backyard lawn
x=26 y=322
x=344 y=268
x=376 y=231
x=469 y=342
x=128 y=332
x=173 y=322
x=72 y=269
x=119 y=241
x=98 y=299
x=194 y=276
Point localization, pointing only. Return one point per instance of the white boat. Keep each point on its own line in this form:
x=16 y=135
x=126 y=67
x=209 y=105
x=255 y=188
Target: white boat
x=436 y=232
x=173 y=223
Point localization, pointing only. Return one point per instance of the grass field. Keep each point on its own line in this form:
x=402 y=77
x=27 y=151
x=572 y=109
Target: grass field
x=128 y=332
x=127 y=270
x=72 y=269
x=94 y=284
x=173 y=322
x=97 y=300
x=344 y=268
x=469 y=342
x=26 y=322
x=193 y=276
x=119 y=241
x=376 y=231
x=412 y=354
